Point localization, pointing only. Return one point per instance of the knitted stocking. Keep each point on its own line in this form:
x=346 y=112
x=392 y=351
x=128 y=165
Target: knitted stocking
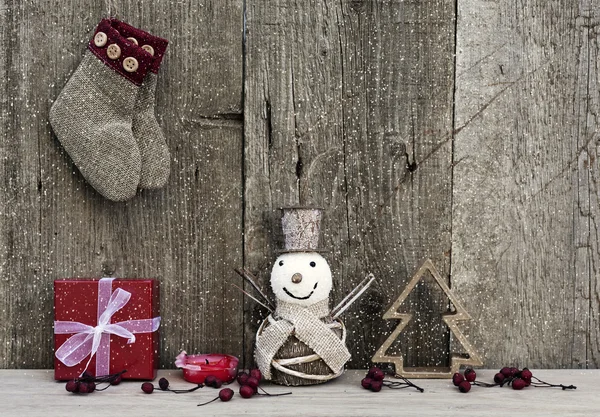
x=150 y=138
x=92 y=116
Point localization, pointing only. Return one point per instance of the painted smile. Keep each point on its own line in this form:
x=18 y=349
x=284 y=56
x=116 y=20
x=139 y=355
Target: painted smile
x=301 y=298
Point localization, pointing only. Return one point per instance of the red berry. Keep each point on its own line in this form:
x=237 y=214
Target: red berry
x=527 y=381
x=148 y=387
x=210 y=380
x=372 y=371
x=366 y=383
x=519 y=384
x=163 y=384
x=246 y=391
x=117 y=380
x=470 y=374
x=256 y=374
x=514 y=371
x=87 y=387
x=253 y=383
x=226 y=394
x=464 y=386
x=499 y=378
x=506 y=372
x=376 y=386
x=378 y=375
x=72 y=386
x=242 y=378
x=526 y=374
x=457 y=379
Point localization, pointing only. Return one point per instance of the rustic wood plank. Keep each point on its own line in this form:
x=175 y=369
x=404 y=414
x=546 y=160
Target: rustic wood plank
x=25 y=290
x=587 y=293
x=33 y=393
x=524 y=236
x=339 y=103
x=54 y=225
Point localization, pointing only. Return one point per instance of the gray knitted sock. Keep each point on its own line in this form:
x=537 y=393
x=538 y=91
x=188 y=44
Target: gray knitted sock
x=150 y=138
x=148 y=134
x=92 y=116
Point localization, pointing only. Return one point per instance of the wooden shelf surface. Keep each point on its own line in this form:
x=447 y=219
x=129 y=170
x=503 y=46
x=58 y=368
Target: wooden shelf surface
x=35 y=393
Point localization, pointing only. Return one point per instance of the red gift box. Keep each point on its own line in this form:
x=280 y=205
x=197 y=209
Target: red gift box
x=76 y=306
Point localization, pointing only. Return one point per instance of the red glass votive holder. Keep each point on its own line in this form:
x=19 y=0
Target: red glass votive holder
x=197 y=367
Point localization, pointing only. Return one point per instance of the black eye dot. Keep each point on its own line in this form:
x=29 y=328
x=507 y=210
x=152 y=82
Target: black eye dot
x=313 y=264
x=280 y=263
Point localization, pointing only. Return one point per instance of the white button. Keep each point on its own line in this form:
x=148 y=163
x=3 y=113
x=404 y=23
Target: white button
x=113 y=51
x=134 y=40
x=148 y=49
x=130 y=64
x=100 y=39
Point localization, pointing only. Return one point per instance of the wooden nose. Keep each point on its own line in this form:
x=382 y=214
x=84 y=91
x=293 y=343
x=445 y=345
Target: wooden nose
x=297 y=278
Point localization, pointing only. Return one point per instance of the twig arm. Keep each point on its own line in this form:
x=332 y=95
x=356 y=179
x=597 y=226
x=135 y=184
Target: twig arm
x=252 y=280
x=353 y=296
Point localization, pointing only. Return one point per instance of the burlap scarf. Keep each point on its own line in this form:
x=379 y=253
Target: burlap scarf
x=306 y=324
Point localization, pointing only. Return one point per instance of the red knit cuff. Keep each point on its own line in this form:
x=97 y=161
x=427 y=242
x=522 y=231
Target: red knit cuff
x=152 y=44
x=120 y=54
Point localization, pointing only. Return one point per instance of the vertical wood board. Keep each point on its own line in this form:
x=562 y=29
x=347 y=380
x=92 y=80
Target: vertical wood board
x=524 y=240
x=341 y=98
x=55 y=226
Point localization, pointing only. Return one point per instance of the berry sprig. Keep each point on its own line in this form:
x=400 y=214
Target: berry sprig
x=87 y=383
x=225 y=395
x=464 y=381
x=163 y=385
x=514 y=377
x=510 y=376
x=250 y=384
x=375 y=380
x=468 y=378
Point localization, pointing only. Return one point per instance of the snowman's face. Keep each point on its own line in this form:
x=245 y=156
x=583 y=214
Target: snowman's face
x=301 y=278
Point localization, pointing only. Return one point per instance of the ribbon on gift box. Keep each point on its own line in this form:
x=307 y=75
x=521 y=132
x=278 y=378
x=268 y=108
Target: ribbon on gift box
x=95 y=340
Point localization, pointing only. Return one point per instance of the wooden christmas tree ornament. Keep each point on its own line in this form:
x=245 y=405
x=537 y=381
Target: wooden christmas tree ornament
x=451 y=319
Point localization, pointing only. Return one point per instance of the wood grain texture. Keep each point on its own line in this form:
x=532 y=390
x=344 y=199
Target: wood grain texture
x=487 y=165
x=55 y=226
x=341 y=99
x=525 y=243
x=24 y=296
x=34 y=393
x=586 y=330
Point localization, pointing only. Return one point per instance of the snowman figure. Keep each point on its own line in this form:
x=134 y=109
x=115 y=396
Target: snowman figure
x=301 y=342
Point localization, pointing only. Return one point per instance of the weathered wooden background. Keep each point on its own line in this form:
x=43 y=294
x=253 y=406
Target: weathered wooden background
x=465 y=131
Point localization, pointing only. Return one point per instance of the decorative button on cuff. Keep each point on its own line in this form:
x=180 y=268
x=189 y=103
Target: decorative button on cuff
x=134 y=40
x=148 y=49
x=130 y=64
x=100 y=39
x=113 y=51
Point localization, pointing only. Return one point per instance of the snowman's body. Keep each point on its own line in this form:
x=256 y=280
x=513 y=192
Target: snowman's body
x=300 y=344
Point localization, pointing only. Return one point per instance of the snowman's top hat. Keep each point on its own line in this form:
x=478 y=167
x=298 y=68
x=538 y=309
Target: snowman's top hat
x=301 y=228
